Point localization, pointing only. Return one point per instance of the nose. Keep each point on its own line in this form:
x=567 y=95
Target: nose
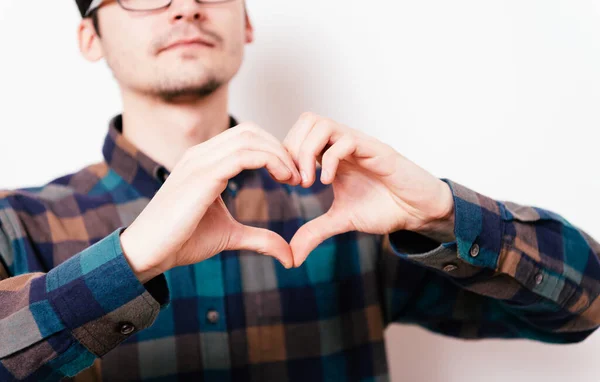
x=186 y=10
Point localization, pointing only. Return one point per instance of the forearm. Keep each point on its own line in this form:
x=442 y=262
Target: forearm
x=525 y=258
x=81 y=310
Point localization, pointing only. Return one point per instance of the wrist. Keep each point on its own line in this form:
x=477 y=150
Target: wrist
x=141 y=267
x=441 y=227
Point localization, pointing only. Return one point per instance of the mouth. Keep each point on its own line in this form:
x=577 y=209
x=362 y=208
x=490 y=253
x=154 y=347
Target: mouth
x=194 y=43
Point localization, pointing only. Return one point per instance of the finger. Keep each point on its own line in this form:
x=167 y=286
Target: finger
x=343 y=148
x=325 y=132
x=256 y=142
x=262 y=241
x=247 y=136
x=263 y=140
x=313 y=233
x=232 y=134
x=251 y=160
x=298 y=133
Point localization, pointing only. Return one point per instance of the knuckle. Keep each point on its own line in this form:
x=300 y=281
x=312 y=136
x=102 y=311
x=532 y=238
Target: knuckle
x=247 y=135
x=240 y=159
x=303 y=151
x=325 y=126
x=244 y=125
x=250 y=159
x=291 y=146
x=351 y=130
x=241 y=128
x=351 y=140
x=252 y=127
x=287 y=142
x=308 y=115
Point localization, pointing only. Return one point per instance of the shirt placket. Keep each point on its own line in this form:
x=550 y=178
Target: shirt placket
x=214 y=338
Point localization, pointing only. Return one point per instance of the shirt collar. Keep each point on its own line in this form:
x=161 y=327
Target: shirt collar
x=130 y=163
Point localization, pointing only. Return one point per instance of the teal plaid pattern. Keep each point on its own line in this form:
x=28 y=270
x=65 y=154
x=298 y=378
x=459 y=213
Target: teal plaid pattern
x=72 y=309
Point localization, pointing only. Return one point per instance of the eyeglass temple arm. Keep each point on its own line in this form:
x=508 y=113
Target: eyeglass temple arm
x=95 y=4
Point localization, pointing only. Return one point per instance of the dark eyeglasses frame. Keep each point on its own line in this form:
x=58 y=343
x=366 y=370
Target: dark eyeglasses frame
x=98 y=3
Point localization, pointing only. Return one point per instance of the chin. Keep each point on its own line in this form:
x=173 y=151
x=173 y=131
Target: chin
x=199 y=89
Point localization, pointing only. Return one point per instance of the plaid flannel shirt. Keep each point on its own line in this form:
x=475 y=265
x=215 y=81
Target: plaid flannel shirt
x=70 y=304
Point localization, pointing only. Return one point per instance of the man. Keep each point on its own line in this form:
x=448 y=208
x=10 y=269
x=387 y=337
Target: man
x=170 y=259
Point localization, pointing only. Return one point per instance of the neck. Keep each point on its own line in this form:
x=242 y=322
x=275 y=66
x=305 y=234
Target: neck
x=165 y=130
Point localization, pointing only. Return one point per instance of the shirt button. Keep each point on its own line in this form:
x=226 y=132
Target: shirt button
x=474 y=250
x=539 y=278
x=126 y=328
x=450 y=267
x=212 y=316
x=232 y=186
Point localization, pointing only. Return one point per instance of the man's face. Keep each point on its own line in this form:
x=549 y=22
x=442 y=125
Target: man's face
x=187 y=49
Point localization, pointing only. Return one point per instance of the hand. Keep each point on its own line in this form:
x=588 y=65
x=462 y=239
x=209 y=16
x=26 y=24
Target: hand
x=376 y=190
x=187 y=221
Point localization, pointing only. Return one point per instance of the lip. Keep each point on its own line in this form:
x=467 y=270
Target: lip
x=196 y=41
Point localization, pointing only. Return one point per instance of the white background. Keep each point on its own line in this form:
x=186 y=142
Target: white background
x=501 y=96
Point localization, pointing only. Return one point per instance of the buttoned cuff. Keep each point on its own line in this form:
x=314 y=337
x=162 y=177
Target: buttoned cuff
x=479 y=229
x=100 y=300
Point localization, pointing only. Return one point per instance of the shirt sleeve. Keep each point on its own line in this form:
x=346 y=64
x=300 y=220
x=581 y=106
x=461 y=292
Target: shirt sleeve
x=55 y=324
x=513 y=272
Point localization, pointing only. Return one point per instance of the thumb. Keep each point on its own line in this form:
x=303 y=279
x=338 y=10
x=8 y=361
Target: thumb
x=262 y=241
x=313 y=233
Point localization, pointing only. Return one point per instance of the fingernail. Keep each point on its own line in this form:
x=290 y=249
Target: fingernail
x=324 y=176
x=304 y=177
